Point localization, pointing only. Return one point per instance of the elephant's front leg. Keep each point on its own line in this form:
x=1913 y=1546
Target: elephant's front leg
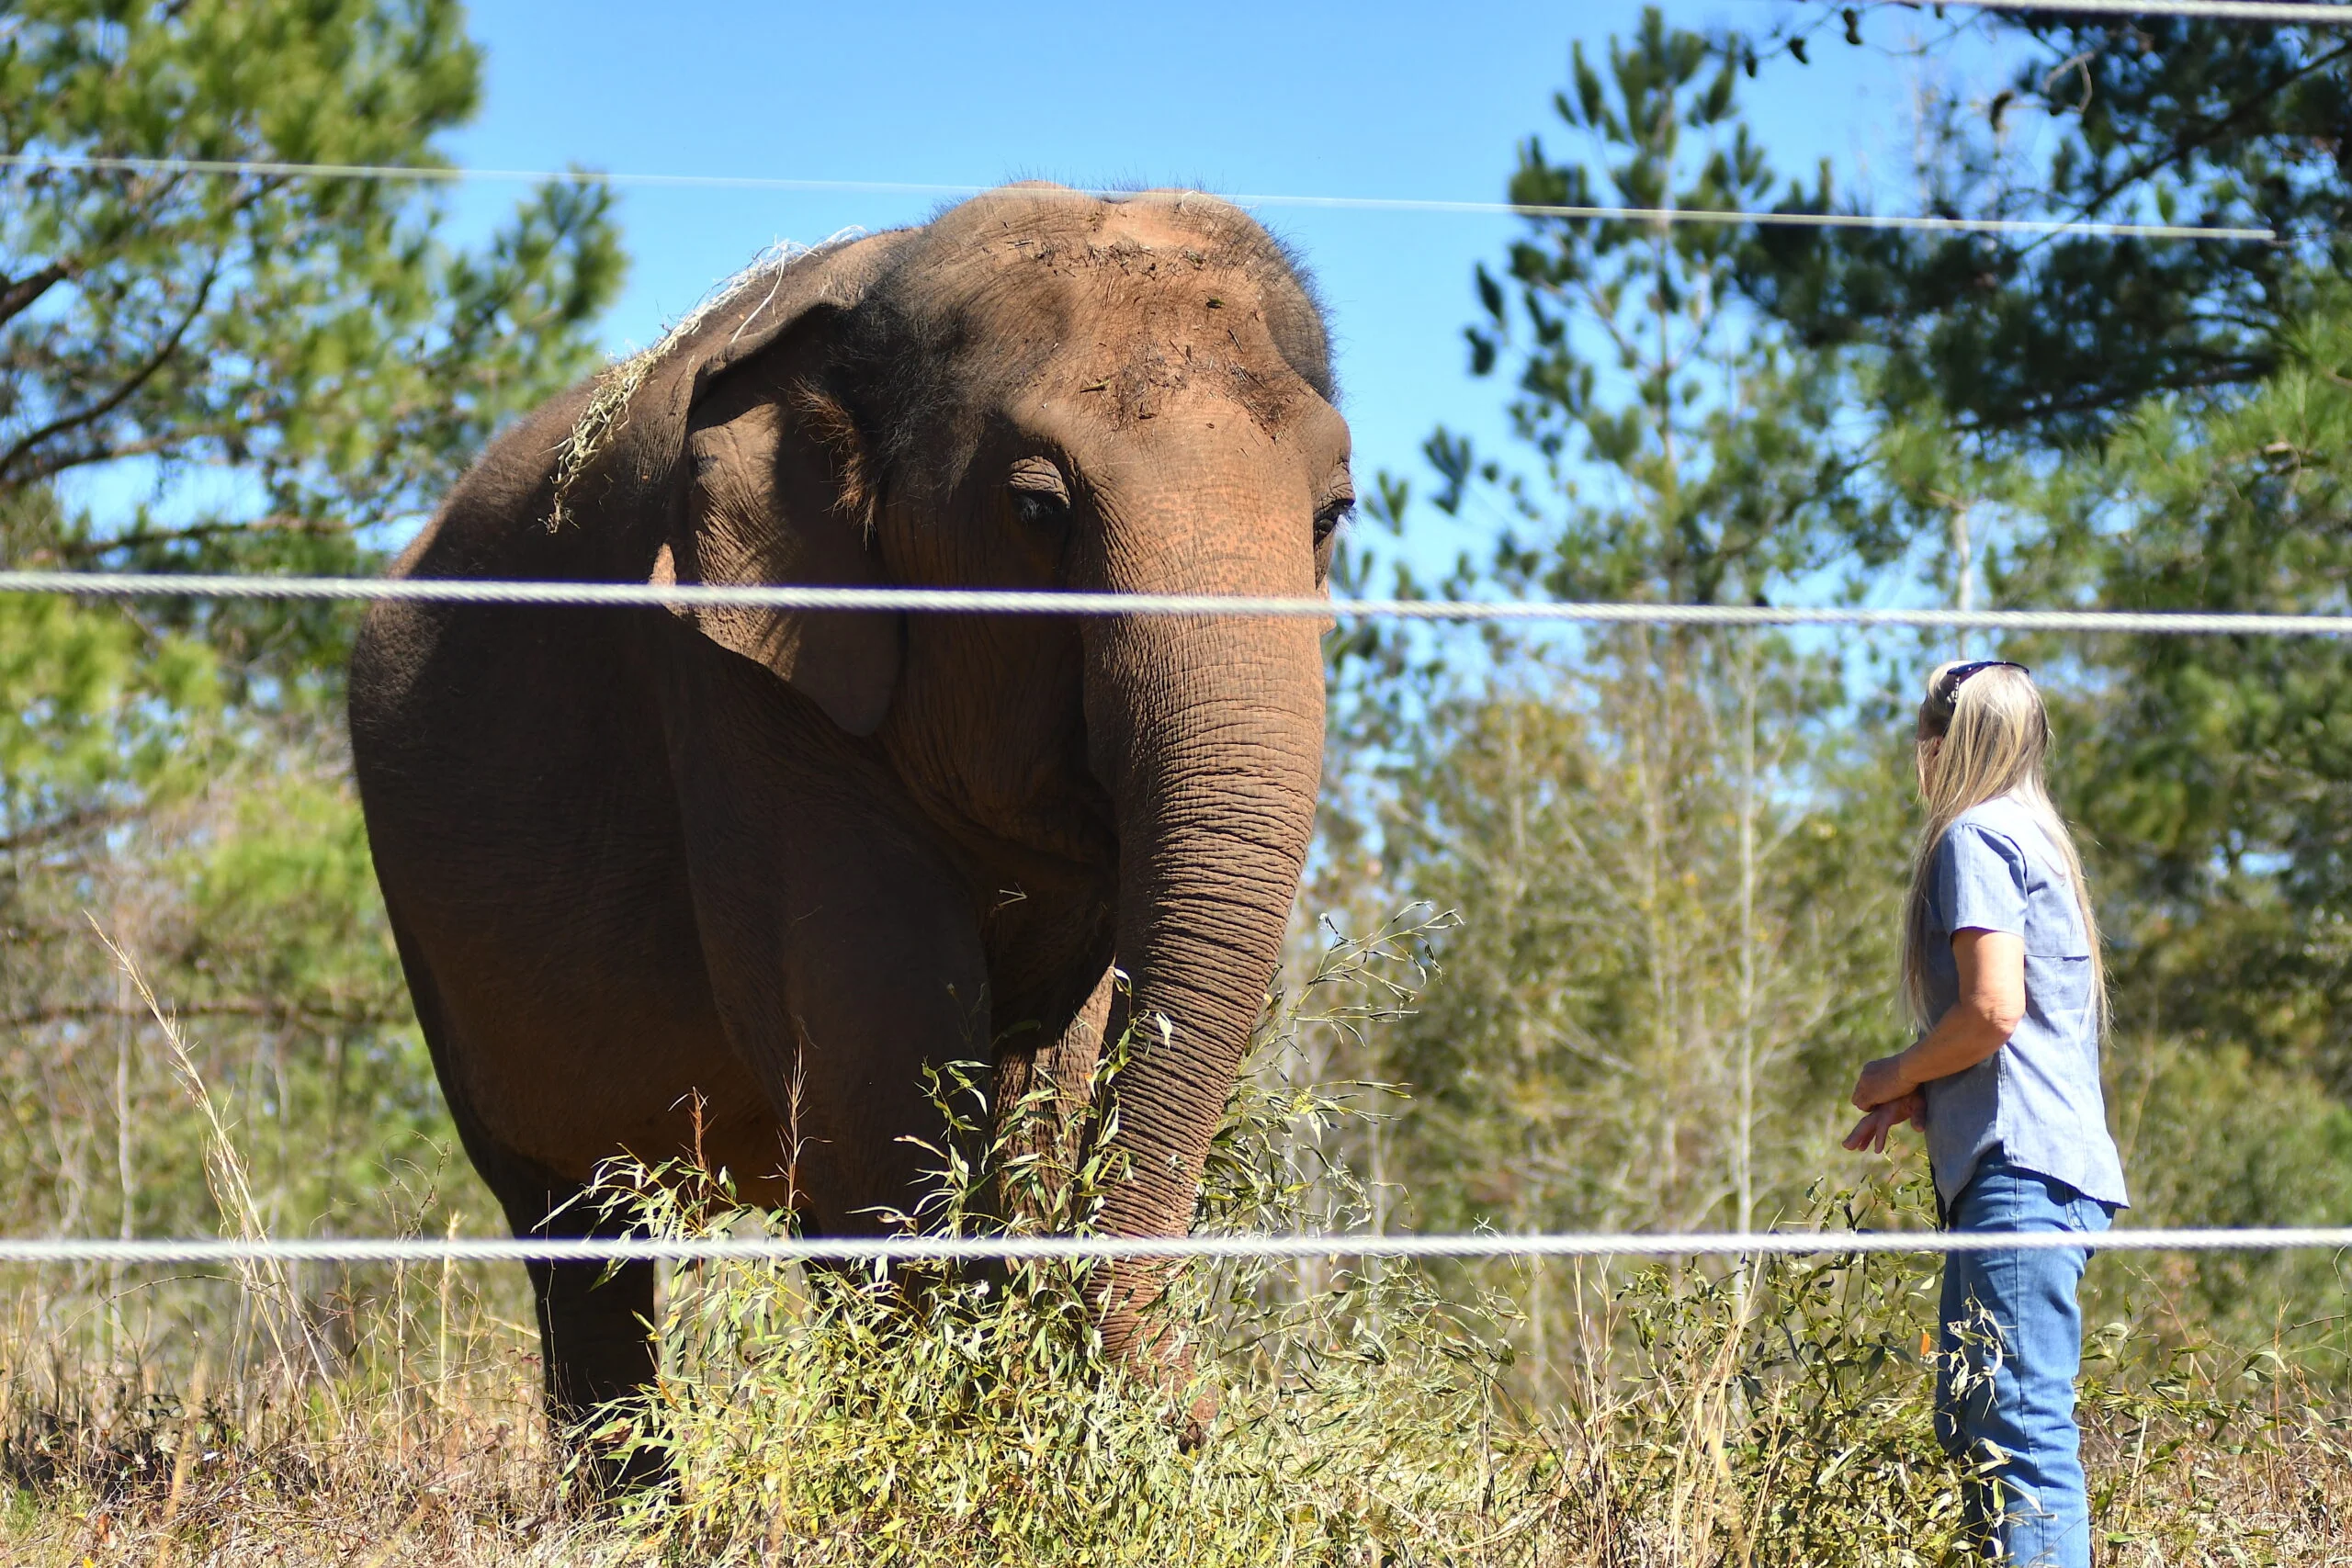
x=843 y=953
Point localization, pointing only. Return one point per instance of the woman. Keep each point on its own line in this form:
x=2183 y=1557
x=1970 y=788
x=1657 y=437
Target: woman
x=2001 y=968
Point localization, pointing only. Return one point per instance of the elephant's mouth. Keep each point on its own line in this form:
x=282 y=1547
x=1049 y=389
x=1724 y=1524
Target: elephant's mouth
x=1060 y=826
x=1004 y=797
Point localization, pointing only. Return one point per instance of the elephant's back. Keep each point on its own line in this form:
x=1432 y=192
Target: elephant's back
x=514 y=771
x=500 y=510
x=485 y=732
x=497 y=523
x=483 y=528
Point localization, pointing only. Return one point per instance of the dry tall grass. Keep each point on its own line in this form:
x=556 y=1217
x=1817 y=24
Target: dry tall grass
x=1703 y=1417
x=843 y=1428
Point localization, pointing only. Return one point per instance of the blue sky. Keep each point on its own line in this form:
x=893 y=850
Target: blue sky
x=1296 y=96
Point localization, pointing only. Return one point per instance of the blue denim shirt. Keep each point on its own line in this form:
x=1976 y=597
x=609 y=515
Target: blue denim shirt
x=2038 y=1097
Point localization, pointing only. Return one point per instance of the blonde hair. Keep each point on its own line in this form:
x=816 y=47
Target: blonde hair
x=1996 y=737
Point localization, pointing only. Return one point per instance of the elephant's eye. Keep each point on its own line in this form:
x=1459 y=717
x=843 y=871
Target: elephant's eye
x=1040 y=510
x=1040 y=494
x=1331 y=514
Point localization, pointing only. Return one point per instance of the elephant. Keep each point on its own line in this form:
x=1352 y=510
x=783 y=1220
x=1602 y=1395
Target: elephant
x=719 y=881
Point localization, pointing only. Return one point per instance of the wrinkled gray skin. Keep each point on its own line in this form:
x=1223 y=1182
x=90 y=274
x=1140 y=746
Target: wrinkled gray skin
x=634 y=857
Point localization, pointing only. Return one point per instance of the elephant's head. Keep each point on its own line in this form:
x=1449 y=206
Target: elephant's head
x=1039 y=390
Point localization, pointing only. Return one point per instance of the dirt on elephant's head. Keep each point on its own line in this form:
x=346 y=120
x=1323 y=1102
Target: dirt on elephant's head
x=1154 y=291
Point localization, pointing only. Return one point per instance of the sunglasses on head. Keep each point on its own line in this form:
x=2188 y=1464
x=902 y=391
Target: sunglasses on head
x=1949 y=688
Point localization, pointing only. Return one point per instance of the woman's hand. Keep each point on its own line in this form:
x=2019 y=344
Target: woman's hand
x=1869 y=1133
x=1887 y=1079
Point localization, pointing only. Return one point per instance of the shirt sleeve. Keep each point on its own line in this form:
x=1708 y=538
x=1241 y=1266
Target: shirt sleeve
x=1980 y=881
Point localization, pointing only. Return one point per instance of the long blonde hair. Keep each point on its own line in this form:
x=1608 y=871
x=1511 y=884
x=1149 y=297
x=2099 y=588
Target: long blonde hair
x=1996 y=737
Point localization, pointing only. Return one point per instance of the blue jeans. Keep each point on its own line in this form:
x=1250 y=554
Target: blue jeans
x=2012 y=1341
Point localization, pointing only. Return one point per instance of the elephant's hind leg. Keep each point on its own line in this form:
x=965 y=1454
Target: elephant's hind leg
x=596 y=1343
x=597 y=1338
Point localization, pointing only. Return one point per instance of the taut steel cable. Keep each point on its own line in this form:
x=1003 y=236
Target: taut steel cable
x=904 y=1250
x=266 y=169
x=977 y=601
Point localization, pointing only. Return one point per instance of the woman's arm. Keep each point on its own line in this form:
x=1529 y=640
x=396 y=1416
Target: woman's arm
x=1991 y=1004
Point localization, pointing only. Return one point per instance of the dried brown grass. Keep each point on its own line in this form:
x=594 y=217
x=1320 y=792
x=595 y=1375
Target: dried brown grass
x=1677 y=1465
x=1694 y=1418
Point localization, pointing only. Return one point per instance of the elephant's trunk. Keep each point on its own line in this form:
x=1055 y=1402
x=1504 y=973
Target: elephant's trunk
x=1210 y=736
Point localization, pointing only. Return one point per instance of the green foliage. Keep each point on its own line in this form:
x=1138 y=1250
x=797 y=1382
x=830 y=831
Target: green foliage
x=1674 y=861
x=1711 y=449
x=2175 y=120
x=282 y=898
x=1674 y=940
x=1791 y=1407
x=94 y=716
x=2215 y=774
x=2153 y=426
x=2215 y=1137
x=248 y=371
x=1776 y=1411
x=313 y=337
x=976 y=1418
x=252 y=895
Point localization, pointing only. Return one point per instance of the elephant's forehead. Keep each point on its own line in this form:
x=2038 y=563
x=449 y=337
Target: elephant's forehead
x=1081 y=235
x=1141 y=313
x=1115 y=269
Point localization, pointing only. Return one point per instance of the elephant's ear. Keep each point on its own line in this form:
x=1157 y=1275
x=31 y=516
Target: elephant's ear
x=775 y=492
x=765 y=481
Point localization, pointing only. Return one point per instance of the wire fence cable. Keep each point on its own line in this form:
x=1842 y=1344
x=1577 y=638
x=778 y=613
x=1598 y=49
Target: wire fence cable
x=916 y=1248
x=266 y=169
x=977 y=601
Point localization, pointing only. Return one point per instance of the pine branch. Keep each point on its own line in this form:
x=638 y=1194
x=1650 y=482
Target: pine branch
x=17 y=296
x=91 y=414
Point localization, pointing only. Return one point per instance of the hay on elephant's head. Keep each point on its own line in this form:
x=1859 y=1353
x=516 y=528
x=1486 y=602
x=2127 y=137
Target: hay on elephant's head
x=606 y=412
